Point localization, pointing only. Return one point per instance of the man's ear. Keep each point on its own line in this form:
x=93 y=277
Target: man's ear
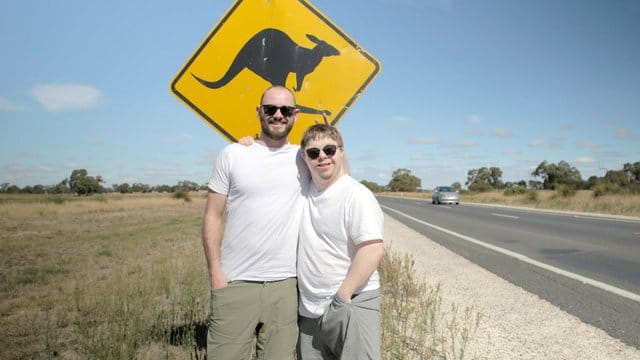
x=295 y=115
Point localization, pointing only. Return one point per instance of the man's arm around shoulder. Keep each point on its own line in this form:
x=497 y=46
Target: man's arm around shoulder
x=212 y=237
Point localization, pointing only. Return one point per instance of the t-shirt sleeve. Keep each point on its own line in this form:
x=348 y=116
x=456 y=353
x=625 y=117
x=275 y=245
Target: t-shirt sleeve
x=220 y=180
x=303 y=171
x=366 y=221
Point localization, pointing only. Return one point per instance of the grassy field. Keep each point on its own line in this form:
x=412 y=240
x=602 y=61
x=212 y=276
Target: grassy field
x=124 y=277
x=582 y=201
x=109 y=277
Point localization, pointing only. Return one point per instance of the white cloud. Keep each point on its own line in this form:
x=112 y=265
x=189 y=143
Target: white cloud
x=546 y=144
x=71 y=165
x=27 y=155
x=511 y=152
x=588 y=145
x=368 y=155
x=472 y=132
x=462 y=144
x=21 y=175
x=400 y=119
x=474 y=119
x=6 y=105
x=501 y=133
x=422 y=140
x=623 y=134
x=60 y=97
x=538 y=143
x=207 y=159
x=586 y=160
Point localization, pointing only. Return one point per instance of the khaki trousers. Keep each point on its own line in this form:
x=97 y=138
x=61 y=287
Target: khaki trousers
x=245 y=312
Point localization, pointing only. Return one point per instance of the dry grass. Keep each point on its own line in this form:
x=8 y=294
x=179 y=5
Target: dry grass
x=115 y=277
x=582 y=201
x=107 y=278
x=415 y=326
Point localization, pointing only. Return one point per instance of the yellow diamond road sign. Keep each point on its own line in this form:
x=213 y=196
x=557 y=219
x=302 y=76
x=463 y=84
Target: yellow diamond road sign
x=259 y=43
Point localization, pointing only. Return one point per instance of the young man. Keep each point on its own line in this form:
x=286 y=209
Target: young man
x=252 y=266
x=340 y=247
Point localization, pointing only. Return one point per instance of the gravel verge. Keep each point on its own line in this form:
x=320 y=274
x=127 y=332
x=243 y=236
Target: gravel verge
x=515 y=324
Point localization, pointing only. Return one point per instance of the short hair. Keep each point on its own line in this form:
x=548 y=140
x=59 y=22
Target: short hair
x=321 y=131
x=278 y=87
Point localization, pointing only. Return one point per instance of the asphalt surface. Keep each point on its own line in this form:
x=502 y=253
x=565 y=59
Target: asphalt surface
x=587 y=265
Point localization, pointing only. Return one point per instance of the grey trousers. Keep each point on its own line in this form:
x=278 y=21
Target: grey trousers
x=345 y=331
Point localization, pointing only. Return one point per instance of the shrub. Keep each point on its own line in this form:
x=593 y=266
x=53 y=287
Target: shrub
x=181 y=194
x=414 y=323
x=515 y=190
x=565 y=191
x=604 y=188
x=532 y=196
x=480 y=186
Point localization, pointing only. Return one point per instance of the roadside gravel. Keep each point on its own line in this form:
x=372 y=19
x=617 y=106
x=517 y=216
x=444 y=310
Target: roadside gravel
x=515 y=323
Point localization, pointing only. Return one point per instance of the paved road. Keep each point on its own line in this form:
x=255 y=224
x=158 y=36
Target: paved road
x=588 y=266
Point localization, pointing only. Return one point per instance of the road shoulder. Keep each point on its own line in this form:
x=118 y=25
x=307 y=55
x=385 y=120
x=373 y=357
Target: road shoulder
x=515 y=323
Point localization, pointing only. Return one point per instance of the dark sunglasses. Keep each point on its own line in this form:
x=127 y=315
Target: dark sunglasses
x=328 y=150
x=284 y=110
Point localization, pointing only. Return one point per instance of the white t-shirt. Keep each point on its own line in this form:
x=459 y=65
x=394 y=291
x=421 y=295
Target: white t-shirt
x=264 y=206
x=334 y=222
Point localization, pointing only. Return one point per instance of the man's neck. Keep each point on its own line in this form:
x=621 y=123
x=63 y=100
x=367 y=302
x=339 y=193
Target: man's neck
x=269 y=142
x=322 y=184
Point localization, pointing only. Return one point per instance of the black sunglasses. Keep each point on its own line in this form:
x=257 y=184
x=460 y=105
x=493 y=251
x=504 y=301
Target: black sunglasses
x=284 y=110
x=328 y=150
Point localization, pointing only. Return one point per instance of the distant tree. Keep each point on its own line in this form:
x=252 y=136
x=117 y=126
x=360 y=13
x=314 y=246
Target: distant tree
x=593 y=181
x=12 y=189
x=375 y=188
x=484 y=179
x=162 y=188
x=4 y=187
x=123 y=188
x=511 y=184
x=618 y=177
x=83 y=184
x=186 y=185
x=456 y=185
x=633 y=170
x=535 y=185
x=402 y=180
x=554 y=175
x=61 y=188
x=140 y=188
x=38 y=189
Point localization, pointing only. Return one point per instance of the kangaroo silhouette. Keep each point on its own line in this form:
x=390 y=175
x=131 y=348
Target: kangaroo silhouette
x=272 y=55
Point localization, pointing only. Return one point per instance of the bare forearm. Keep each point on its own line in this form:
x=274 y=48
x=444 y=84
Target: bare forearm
x=212 y=238
x=211 y=242
x=364 y=263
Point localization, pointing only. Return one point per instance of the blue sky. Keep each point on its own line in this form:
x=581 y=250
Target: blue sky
x=464 y=84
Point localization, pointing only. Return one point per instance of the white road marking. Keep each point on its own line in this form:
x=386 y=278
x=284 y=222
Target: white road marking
x=507 y=216
x=606 y=287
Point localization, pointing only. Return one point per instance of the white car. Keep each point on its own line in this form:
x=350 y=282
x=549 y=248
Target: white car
x=445 y=195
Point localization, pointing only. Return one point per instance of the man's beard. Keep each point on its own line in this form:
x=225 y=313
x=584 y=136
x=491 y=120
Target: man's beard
x=275 y=135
